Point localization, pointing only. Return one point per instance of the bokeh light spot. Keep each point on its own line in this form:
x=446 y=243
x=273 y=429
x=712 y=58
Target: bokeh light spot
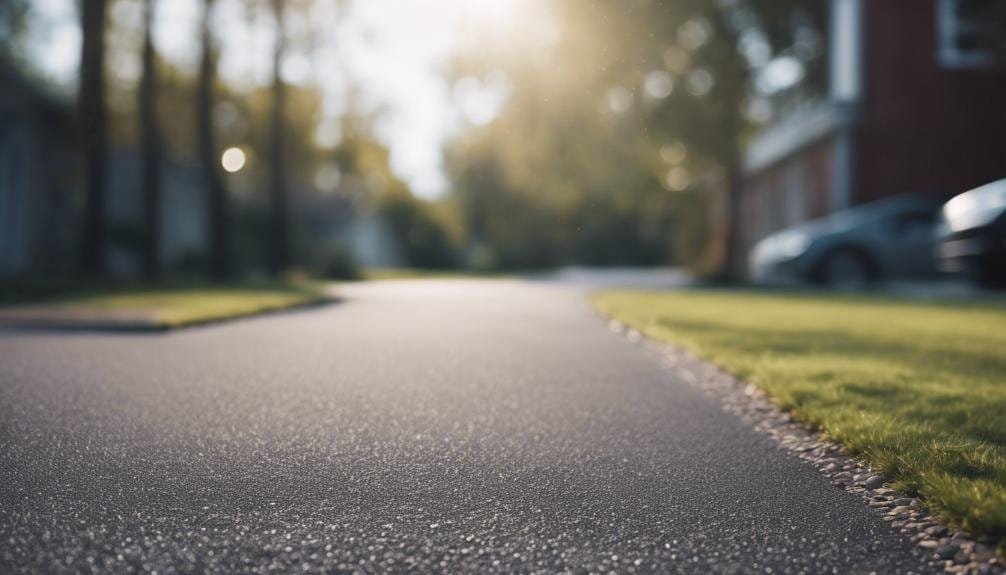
x=233 y=160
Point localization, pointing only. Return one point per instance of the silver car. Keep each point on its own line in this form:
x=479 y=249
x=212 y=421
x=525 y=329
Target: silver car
x=887 y=239
x=972 y=235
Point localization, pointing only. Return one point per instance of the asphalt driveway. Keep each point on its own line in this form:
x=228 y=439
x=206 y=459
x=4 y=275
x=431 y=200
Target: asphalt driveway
x=438 y=425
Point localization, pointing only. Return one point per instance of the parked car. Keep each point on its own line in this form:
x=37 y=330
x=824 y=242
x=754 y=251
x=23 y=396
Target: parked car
x=852 y=248
x=971 y=234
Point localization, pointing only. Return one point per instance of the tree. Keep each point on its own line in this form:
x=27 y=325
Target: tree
x=279 y=232
x=94 y=134
x=13 y=20
x=217 y=209
x=150 y=170
x=714 y=124
x=575 y=160
x=560 y=176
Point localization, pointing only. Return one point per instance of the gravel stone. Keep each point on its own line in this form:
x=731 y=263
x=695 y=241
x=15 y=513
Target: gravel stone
x=874 y=482
x=947 y=551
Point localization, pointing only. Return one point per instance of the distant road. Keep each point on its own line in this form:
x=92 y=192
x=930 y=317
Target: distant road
x=444 y=425
x=599 y=278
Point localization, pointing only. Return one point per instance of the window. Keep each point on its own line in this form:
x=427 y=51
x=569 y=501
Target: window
x=971 y=33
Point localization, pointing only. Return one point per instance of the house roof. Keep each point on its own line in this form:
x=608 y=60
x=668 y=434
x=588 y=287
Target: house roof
x=796 y=132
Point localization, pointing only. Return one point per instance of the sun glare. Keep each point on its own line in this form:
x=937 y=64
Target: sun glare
x=488 y=12
x=499 y=18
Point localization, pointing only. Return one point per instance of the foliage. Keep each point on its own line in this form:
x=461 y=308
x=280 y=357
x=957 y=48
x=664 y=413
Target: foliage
x=339 y=264
x=425 y=232
x=557 y=178
x=577 y=161
x=928 y=411
x=421 y=235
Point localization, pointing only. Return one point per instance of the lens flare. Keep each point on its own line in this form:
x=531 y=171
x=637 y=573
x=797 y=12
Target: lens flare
x=233 y=160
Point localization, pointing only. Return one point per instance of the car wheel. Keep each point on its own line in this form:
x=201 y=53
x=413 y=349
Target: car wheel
x=846 y=270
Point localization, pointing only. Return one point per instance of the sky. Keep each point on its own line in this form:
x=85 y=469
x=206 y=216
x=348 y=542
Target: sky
x=392 y=53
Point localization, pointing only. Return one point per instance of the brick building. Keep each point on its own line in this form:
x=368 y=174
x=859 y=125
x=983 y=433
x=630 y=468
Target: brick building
x=915 y=103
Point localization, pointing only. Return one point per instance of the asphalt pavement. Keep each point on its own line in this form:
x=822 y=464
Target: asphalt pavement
x=443 y=425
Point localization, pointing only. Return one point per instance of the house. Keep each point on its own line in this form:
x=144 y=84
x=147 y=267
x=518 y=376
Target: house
x=37 y=168
x=41 y=191
x=915 y=103
x=344 y=221
x=183 y=218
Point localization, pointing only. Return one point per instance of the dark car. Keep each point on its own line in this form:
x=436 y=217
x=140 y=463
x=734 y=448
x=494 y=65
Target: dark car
x=852 y=248
x=972 y=235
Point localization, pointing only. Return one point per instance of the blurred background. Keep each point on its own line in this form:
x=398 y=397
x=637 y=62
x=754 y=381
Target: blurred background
x=744 y=140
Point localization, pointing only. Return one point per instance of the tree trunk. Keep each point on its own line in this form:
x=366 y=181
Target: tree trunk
x=279 y=245
x=150 y=150
x=217 y=217
x=733 y=261
x=730 y=124
x=93 y=134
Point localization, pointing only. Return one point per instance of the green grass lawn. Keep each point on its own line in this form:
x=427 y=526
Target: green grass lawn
x=168 y=305
x=916 y=388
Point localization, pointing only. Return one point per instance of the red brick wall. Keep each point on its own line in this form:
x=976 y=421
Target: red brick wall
x=924 y=129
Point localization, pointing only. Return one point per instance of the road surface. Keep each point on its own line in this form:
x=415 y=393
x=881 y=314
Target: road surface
x=434 y=426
